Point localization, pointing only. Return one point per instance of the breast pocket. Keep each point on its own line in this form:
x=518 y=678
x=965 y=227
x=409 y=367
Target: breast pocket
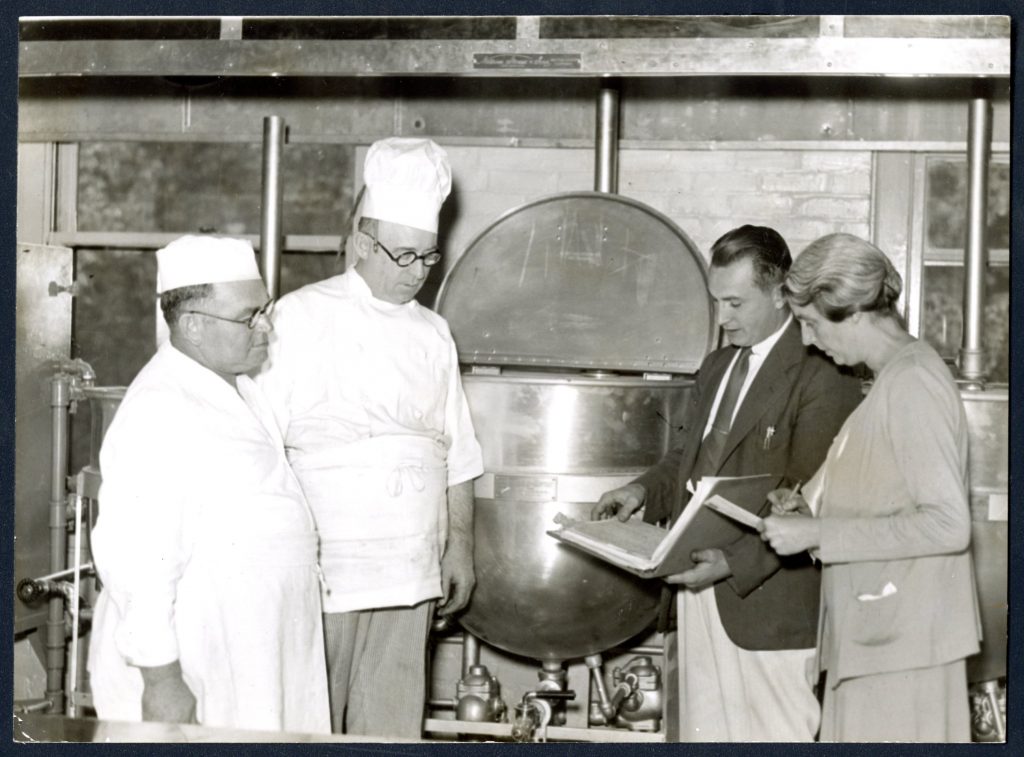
x=773 y=439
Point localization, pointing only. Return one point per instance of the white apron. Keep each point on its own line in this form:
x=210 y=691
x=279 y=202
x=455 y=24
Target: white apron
x=204 y=539
x=381 y=509
x=233 y=664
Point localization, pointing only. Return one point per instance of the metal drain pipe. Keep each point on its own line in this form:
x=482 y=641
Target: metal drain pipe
x=979 y=140
x=606 y=153
x=271 y=236
x=60 y=401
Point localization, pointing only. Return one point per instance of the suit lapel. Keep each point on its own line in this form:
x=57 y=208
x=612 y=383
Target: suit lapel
x=775 y=376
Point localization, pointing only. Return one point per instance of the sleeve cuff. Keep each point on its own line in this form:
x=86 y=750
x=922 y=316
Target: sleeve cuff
x=145 y=637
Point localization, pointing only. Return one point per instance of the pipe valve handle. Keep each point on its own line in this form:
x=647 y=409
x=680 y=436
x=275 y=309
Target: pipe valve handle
x=31 y=591
x=567 y=695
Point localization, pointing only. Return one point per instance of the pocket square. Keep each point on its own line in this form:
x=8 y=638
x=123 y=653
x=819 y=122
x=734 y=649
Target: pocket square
x=887 y=591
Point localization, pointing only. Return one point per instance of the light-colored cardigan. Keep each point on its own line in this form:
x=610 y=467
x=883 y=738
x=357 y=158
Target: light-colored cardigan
x=898 y=589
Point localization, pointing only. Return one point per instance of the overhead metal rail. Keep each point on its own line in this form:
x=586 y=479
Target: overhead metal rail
x=911 y=46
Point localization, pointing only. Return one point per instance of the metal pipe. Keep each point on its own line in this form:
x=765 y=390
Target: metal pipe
x=606 y=157
x=76 y=679
x=43 y=704
x=271 y=235
x=66 y=572
x=979 y=141
x=604 y=702
x=470 y=653
x=60 y=401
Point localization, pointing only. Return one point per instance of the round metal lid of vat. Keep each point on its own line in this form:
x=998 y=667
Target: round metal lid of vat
x=584 y=280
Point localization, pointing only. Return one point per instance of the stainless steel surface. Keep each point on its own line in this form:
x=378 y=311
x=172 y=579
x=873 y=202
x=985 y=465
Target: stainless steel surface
x=606 y=159
x=43 y=340
x=553 y=444
x=103 y=404
x=988 y=424
x=979 y=139
x=570 y=424
x=581 y=280
x=694 y=56
x=273 y=198
x=539 y=599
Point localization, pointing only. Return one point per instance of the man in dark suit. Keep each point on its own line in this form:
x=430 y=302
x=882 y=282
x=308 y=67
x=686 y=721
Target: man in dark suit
x=764 y=404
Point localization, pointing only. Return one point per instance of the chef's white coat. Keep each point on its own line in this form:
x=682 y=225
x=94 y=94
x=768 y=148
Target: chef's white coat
x=377 y=427
x=207 y=552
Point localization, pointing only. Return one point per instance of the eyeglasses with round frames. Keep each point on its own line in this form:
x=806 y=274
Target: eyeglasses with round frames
x=407 y=258
x=250 y=321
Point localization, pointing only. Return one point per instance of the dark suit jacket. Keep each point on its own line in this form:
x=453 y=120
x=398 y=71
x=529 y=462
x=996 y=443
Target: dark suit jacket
x=769 y=602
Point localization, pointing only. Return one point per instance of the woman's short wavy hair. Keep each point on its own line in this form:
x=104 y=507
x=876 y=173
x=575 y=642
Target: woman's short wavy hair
x=842 y=274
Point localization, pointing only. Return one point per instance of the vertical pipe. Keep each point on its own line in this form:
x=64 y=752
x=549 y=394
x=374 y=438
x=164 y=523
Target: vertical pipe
x=470 y=652
x=979 y=138
x=606 y=158
x=74 y=684
x=60 y=401
x=270 y=218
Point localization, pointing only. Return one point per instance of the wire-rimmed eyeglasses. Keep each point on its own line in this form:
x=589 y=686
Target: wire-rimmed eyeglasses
x=407 y=258
x=250 y=321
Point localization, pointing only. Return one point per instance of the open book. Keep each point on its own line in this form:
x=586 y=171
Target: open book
x=650 y=551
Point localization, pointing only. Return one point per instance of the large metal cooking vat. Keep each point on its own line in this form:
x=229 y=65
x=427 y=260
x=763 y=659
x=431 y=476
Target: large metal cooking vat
x=581 y=316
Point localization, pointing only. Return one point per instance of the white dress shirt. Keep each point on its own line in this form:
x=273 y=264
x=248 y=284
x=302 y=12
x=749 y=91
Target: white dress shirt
x=758 y=353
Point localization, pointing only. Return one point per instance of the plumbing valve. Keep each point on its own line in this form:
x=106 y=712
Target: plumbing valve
x=641 y=710
x=636 y=700
x=478 y=697
x=34 y=590
x=533 y=714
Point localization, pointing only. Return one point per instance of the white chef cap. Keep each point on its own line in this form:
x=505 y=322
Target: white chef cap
x=193 y=259
x=406 y=181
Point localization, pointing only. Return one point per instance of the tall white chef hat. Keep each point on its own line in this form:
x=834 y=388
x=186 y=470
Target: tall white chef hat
x=193 y=259
x=406 y=180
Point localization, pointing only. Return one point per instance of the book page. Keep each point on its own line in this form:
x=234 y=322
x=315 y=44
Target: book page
x=731 y=510
x=705 y=488
x=632 y=539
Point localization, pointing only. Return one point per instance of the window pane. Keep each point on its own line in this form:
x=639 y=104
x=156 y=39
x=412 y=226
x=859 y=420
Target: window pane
x=301 y=268
x=209 y=187
x=943 y=320
x=946 y=205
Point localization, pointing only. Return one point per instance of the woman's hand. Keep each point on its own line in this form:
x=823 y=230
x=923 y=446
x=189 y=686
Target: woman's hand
x=788 y=502
x=789 y=534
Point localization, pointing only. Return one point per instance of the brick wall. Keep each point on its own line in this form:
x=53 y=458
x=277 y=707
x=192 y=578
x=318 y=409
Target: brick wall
x=802 y=194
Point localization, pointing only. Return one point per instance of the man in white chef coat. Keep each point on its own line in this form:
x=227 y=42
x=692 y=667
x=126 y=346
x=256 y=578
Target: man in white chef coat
x=206 y=547
x=365 y=383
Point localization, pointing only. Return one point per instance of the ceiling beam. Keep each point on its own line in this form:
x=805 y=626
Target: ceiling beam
x=526 y=56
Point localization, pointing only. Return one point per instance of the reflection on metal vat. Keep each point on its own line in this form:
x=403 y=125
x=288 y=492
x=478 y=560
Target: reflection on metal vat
x=554 y=444
x=586 y=282
x=103 y=403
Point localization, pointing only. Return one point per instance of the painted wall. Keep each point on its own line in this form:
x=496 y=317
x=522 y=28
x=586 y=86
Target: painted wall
x=802 y=194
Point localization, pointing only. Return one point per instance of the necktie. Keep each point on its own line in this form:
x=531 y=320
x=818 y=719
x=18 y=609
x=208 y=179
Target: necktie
x=708 y=457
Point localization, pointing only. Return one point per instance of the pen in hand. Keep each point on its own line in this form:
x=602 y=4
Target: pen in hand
x=790 y=503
